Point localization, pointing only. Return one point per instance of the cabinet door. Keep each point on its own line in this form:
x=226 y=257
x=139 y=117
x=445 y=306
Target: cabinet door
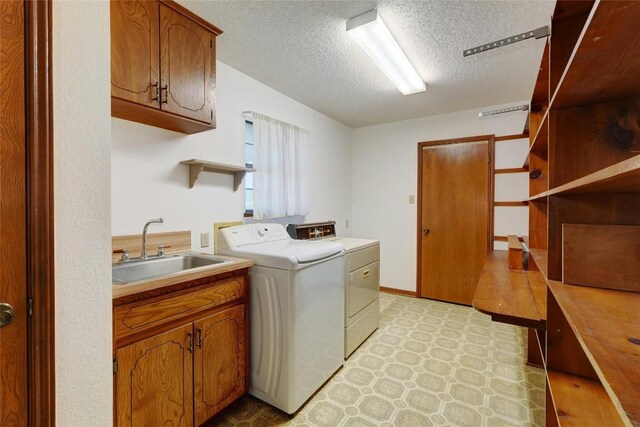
x=135 y=51
x=187 y=70
x=220 y=361
x=154 y=381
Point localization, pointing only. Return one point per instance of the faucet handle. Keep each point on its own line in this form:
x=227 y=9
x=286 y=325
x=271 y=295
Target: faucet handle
x=161 y=249
x=124 y=252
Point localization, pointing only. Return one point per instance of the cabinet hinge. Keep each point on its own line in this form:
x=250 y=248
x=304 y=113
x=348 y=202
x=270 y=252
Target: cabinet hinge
x=115 y=366
x=30 y=306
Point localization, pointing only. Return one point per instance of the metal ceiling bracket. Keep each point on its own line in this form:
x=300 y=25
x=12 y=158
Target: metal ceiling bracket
x=524 y=107
x=538 y=33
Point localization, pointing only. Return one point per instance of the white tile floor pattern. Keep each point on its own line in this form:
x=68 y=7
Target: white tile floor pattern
x=429 y=364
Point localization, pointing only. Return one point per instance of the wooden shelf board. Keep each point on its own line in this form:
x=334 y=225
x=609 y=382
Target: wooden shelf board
x=511 y=170
x=605 y=322
x=518 y=203
x=581 y=402
x=197 y=166
x=540 y=258
x=622 y=177
x=505 y=294
x=539 y=196
x=605 y=63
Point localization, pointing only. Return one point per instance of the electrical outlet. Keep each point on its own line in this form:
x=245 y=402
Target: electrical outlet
x=346 y=224
x=412 y=199
x=204 y=240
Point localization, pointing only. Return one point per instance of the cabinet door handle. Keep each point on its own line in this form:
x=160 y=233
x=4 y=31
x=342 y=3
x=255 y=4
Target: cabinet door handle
x=157 y=91
x=164 y=88
x=190 y=342
x=366 y=273
x=199 y=344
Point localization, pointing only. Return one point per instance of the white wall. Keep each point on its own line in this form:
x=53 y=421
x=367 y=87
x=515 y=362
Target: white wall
x=148 y=182
x=82 y=215
x=385 y=175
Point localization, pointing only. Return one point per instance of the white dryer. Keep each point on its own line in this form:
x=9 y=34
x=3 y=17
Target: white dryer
x=297 y=311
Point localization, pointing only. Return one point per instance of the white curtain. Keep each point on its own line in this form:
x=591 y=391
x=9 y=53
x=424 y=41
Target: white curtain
x=281 y=159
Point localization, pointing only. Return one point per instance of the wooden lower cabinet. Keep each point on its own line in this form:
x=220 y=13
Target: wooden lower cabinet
x=180 y=370
x=219 y=362
x=154 y=380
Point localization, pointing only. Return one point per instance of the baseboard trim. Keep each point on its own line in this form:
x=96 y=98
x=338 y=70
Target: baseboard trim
x=395 y=291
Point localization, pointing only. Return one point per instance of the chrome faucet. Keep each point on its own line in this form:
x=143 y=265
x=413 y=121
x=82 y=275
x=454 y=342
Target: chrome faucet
x=143 y=254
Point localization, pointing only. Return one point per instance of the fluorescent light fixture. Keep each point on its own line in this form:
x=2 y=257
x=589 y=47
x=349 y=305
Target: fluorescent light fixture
x=376 y=40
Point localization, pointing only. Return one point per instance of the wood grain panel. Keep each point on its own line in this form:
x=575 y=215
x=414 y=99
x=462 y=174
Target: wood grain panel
x=612 y=42
x=586 y=209
x=581 y=402
x=135 y=60
x=588 y=138
x=13 y=268
x=187 y=67
x=564 y=353
x=219 y=375
x=569 y=18
x=454 y=179
x=180 y=241
x=604 y=256
x=538 y=224
x=154 y=382
x=136 y=317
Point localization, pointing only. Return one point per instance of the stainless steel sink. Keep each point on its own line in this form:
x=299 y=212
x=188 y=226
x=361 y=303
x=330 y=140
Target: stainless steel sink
x=145 y=269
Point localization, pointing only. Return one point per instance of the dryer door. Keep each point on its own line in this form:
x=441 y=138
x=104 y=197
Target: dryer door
x=363 y=287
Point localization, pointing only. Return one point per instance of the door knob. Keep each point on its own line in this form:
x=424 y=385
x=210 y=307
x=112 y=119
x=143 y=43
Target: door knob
x=426 y=231
x=6 y=314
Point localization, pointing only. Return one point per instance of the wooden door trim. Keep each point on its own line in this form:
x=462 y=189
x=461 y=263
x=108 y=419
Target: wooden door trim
x=40 y=226
x=491 y=179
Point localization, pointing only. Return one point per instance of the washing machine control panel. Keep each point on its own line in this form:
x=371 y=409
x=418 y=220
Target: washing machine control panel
x=251 y=234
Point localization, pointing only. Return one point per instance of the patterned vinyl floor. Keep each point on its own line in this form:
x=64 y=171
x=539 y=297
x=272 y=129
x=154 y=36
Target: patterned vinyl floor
x=429 y=364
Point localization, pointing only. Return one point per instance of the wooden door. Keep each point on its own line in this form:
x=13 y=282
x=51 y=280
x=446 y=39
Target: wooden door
x=154 y=381
x=219 y=361
x=454 y=217
x=13 y=250
x=187 y=70
x=135 y=51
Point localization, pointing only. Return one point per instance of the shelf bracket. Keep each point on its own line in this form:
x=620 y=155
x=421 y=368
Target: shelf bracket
x=237 y=179
x=194 y=172
x=538 y=33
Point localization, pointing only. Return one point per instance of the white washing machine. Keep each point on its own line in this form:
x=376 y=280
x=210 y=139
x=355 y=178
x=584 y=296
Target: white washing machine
x=362 y=280
x=296 y=306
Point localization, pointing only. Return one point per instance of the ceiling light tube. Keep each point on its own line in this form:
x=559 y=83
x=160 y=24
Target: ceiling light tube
x=374 y=38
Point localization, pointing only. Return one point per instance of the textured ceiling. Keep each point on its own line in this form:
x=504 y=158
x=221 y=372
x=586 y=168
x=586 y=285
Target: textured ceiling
x=301 y=49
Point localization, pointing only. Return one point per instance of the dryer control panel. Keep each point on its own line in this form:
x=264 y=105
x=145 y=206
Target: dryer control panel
x=251 y=234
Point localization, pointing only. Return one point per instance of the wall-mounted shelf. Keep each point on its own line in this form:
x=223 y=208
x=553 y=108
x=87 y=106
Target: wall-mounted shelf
x=197 y=166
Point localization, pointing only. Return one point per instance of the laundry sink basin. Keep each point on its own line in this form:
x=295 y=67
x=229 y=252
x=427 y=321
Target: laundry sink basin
x=134 y=271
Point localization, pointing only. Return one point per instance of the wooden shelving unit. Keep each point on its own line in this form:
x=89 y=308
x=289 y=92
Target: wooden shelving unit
x=584 y=166
x=197 y=166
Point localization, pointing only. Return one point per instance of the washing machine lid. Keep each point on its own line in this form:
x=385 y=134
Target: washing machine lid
x=287 y=254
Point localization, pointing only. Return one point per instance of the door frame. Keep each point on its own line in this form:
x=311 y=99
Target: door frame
x=39 y=214
x=490 y=195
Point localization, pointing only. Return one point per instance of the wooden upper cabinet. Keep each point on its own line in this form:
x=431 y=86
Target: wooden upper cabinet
x=163 y=65
x=220 y=361
x=134 y=51
x=187 y=66
x=154 y=381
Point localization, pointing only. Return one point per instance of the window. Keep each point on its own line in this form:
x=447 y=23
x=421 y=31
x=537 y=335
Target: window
x=248 y=161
